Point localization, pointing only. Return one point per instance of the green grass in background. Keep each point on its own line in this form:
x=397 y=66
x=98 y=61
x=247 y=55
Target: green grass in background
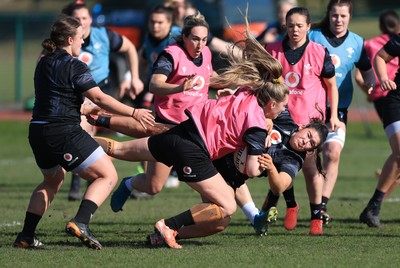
x=346 y=243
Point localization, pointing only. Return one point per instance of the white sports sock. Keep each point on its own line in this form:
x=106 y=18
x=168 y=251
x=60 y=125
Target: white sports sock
x=250 y=210
x=128 y=183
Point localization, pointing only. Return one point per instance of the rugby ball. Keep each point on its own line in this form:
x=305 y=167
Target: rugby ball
x=240 y=158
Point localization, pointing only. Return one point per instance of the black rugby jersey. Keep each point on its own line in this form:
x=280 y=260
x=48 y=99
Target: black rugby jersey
x=284 y=157
x=60 y=80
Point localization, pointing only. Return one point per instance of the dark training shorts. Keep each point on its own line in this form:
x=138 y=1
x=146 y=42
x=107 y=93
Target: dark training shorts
x=391 y=110
x=342 y=115
x=226 y=167
x=69 y=146
x=176 y=148
x=379 y=107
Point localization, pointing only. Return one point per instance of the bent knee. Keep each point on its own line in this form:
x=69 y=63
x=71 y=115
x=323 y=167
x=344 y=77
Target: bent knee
x=153 y=184
x=52 y=186
x=154 y=187
x=229 y=209
x=332 y=155
x=154 y=190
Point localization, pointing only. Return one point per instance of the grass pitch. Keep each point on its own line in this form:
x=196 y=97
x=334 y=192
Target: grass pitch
x=345 y=243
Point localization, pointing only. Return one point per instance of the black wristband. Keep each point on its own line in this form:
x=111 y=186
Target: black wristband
x=103 y=121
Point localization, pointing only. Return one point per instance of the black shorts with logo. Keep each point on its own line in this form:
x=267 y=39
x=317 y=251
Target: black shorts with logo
x=61 y=144
x=176 y=148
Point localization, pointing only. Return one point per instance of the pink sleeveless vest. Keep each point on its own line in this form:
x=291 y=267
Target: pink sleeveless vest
x=171 y=107
x=304 y=81
x=222 y=123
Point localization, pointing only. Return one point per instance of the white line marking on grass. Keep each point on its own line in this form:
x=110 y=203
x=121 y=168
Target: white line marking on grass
x=14 y=223
x=9 y=161
x=393 y=200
